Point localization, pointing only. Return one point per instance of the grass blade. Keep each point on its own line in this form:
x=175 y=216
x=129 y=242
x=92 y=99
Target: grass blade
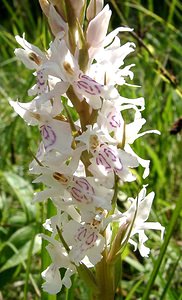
x=172 y=271
x=158 y=262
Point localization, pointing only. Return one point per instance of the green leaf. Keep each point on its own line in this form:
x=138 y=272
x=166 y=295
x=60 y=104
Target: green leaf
x=23 y=191
x=21 y=254
x=22 y=235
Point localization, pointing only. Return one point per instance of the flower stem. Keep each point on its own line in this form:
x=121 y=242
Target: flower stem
x=105 y=279
x=82 y=108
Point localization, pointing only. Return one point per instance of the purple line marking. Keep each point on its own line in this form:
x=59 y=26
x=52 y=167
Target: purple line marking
x=101 y=160
x=48 y=135
x=82 y=233
x=91 y=238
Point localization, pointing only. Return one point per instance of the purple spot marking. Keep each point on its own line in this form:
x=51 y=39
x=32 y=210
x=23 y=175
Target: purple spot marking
x=41 y=82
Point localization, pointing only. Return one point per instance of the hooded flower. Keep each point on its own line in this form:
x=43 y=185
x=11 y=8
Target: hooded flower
x=138 y=214
x=60 y=259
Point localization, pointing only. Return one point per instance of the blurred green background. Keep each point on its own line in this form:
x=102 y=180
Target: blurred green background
x=158 y=38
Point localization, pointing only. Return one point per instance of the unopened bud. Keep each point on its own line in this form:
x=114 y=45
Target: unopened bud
x=98 y=27
x=45 y=5
x=94 y=7
x=117 y=243
x=77 y=6
x=60 y=7
x=56 y=22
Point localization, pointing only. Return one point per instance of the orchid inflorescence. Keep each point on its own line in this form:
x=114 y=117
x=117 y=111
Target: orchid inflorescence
x=83 y=157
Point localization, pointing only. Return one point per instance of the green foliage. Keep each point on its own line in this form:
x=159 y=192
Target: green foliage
x=157 y=34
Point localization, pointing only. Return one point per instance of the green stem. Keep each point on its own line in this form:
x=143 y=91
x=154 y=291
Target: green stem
x=28 y=268
x=48 y=210
x=105 y=276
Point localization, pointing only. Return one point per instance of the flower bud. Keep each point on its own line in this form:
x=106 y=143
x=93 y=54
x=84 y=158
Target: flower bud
x=77 y=6
x=56 y=22
x=60 y=7
x=97 y=27
x=45 y=5
x=94 y=7
x=117 y=243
